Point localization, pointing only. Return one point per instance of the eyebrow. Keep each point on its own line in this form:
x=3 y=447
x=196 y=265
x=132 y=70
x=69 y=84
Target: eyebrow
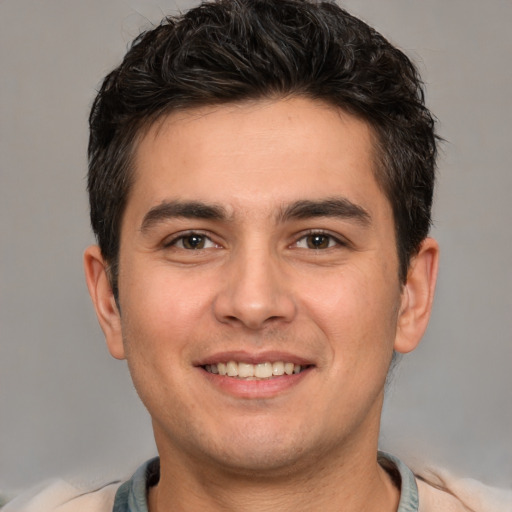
x=338 y=207
x=185 y=209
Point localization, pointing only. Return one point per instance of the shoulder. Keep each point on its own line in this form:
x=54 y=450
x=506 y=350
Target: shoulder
x=60 y=496
x=440 y=491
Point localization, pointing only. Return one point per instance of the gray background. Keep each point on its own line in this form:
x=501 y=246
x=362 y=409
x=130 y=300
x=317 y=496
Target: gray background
x=67 y=408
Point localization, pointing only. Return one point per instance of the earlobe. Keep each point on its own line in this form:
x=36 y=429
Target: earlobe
x=103 y=299
x=417 y=297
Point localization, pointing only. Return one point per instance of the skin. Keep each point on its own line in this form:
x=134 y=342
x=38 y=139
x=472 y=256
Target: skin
x=257 y=289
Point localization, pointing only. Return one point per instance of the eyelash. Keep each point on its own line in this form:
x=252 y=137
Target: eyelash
x=332 y=240
x=319 y=233
x=183 y=236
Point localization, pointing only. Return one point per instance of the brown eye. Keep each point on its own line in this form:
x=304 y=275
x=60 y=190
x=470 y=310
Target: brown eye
x=193 y=242
x=318 y=241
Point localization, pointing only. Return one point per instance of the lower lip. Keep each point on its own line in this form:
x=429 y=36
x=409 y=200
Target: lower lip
x=253 y=389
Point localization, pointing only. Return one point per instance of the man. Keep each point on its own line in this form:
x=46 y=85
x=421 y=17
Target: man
x=261 y=178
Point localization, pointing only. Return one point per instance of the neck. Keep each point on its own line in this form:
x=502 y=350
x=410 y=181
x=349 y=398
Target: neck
x=350 y=483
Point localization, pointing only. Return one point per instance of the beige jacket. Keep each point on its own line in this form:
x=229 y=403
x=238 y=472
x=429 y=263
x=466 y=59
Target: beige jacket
x=441 y=492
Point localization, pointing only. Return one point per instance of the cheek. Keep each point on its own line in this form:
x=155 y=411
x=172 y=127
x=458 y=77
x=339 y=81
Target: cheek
x=159 y=318
x=163 y=306
x=356 y=309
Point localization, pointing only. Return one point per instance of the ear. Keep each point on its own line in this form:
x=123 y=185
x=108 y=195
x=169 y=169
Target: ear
x=417 y=297
x=103 y=299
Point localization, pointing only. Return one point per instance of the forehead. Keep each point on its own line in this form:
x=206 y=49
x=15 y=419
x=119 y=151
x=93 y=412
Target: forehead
x=256 y=155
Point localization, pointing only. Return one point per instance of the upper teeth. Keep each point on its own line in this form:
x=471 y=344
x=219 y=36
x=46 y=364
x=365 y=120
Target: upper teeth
x=247 y=370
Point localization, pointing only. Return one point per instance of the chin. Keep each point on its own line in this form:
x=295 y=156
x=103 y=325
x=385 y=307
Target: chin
x=266 y=453
x=265 y=462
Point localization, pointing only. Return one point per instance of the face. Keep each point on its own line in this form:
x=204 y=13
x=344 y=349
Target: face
x=258 y=284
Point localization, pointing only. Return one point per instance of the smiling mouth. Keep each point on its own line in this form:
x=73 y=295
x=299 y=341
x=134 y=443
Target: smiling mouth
x=259 y=371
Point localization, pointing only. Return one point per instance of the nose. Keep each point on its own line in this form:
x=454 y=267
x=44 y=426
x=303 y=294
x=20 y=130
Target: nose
x=255 y=293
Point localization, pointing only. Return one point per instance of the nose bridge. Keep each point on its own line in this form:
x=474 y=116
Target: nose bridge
x=255 y=290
